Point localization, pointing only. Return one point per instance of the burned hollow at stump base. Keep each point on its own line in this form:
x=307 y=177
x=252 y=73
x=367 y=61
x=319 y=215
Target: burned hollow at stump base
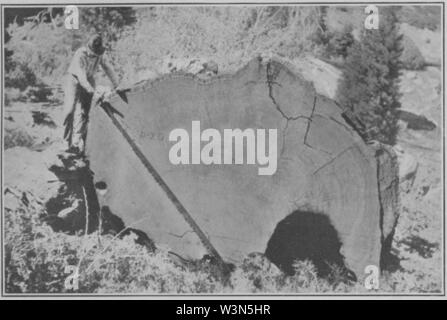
x=306 y=235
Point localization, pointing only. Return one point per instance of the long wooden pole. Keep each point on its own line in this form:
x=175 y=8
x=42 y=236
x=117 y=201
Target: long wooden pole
x=169 y=193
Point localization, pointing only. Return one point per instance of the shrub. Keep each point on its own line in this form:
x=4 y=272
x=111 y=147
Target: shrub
x=411 y=57
x=146 y=38
x=335 y=44
x=40 y=50
x=36 y=258
x=38 y=93
x=340 y=42
x=19 y=75
x=109 y=21
x=369 y=87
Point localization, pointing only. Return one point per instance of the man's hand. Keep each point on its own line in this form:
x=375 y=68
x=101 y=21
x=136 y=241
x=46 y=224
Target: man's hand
x=121 y=91
x=101 y=94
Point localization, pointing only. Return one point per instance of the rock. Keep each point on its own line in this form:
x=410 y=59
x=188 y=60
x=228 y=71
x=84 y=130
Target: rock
x=416 y=122
x=27 y=170
x=411 y=75
x=185 y=65
x=408 y=167
x=323 y=165
x=202 y=68
x=145 y=74
x=324 y=76
x=428 y=42
x=411 y=58
x=421 y=99
x=210 y=66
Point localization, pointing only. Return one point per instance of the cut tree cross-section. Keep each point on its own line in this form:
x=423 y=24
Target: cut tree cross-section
x=323 y=166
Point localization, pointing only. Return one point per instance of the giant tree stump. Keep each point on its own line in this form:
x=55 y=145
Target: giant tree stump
x=324 y=167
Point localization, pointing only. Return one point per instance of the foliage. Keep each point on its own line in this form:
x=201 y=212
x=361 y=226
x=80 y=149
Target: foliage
x=43 y=48
x=36 y=258
x=370 y=79
x=40 y=49
x=146 y=38
x=18 y=74
x=108 y=21
x=335 y=43
x=411 y=57
x=230 y=36
x=340 y=42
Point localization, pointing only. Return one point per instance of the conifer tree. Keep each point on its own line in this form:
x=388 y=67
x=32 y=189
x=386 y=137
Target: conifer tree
x=369 y=88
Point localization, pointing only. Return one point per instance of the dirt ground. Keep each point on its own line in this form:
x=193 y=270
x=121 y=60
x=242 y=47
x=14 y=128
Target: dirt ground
x=419 y=232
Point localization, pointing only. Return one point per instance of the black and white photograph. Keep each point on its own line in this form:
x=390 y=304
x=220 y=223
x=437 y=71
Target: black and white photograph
x=256 y=149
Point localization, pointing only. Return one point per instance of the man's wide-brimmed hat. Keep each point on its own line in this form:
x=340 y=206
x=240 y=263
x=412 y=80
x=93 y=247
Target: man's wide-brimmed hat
x=95 y=44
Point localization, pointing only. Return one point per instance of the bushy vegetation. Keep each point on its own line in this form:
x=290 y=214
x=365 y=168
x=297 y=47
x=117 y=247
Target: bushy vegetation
x=143 y=41
x=335 y=44
x=334 y=41
x=36 y=259
x=39 y=50
x=369 y=87
x=147 y=38
x=19 y=75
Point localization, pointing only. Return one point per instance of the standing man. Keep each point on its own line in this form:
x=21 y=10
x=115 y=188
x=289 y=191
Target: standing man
x=79 y=90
